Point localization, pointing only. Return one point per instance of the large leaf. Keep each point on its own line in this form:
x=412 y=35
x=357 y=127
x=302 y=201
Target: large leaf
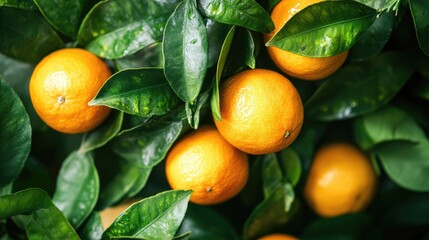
x=142 y=92
x=15 y=134
x=22 y=4
x=245 y=13
x=419 y=10
x=55 y=12
x=77 y=187
x=185 y=49
x=25 y=35
x=142 y=25
x=359 y=88
x=45 y=220
x=324 y=29
x=156 y=217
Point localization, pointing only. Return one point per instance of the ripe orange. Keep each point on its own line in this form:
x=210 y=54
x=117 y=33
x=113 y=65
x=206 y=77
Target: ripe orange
x=61 y=86
x=278 y=236
x=261 y=111
x=206 y=163
x=295 y=65
x=341 y=180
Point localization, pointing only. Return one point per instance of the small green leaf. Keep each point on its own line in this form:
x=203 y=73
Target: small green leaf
x=359 y=88
x=54 y=11
x=22 y=4
x=77 y=187
x=214 y=100
x=324 y=29
x=91 y=229
x=149 y=57
x=185 y=49
x=156 y=217
x=15 y=134
x=103 y=134
x=45 y=222
x=193 y=112
x=245 y=13
x=272 y=174
x=291 y=164
x=143 y=92
x=419 y=10
x=25 y=35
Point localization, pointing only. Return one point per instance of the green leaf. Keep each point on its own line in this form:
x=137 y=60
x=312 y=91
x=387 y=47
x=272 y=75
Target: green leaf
x=185 y=49
x=15 y=134
x=149 y=57
x=45 y=222
x=205 y=223
x=411 y=211
x=143 y=92
x=359 y=88
x=156 y=217
x=270 y=214
x=245 y=13
x=324 y=29
x=55 y=12
x=419 y=10
x=214 y=100
x=372 y=41
x=148 y=145
x=25 y=35
x=216 y=33
x=77 y=187
x=22 y=4
x=141 y=26
x=6 y=190
x=91 y=228
x=193 y=112
x=103 y=134
x=291 y=164
x=272 y=174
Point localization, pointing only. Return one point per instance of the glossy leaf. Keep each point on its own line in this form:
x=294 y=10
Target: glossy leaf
x=103 y=134
x=149 y=57
x=141 y=26
x=291 y=164
x=25 y=35
x=147 y=146
x=359 y=88
x=419 y=10
x=193 y=112
x=214 y=100
x=245 y=13
x=77 y=187
x=15 y=134
x=91 y=229
x=185 y=49
x=216 y=33
x=45 y=220
x=143 y=92
x=54 y=14
x=272 y=174
x=378 y=4
x=22 y=4
x=156 y=217
x=206 y=224
x=324 y=29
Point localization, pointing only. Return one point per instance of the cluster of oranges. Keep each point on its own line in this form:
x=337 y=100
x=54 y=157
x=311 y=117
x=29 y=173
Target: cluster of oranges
x=261 y=113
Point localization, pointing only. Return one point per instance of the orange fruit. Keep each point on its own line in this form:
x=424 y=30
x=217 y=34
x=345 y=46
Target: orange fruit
x=341 y=180
x=61 y=86
x=261 y=111
x=292 y=64
x=108 y=215
x=206 y=163
x=278 y=236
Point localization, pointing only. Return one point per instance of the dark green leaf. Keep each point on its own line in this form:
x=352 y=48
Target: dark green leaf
x=77 y=187
x=377 y=4
x=22 y=4
x=193 y=112
x=25 y=35
x=291 y=164
x=55 y=12
x=411 y=211
x=91 y=228
x=272 y=174
x=45 y=221
x=216 y=33
x=185 y=49
x=156 y=217
x=143 y=92
x=142 y=25
x=6 y=190
x=245 y=13
x=214 y=100
x=147 y=146
x=324 y=29
x=103 y=134
x=419 y=10
x=15 y=134
x=359 y=88
x=206 y=224
x=148 y=57
x=372 y=41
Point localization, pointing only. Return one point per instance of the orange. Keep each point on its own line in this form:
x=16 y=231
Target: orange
x=61 y=86
x=278 y=236
x=295 y=65
x=206 y=163
x=108 y=215
x=341 y=180
x=261 y=111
